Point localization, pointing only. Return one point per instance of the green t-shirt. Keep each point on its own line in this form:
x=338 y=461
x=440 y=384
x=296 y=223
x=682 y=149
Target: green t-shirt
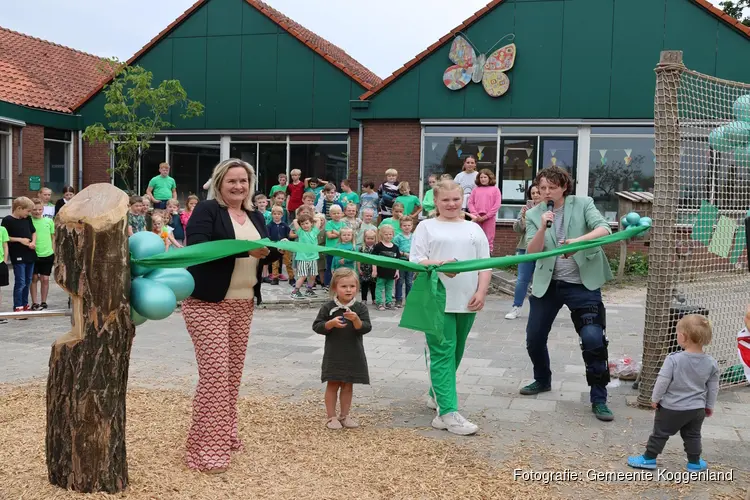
x=428 y=202
x=332 y=225
x=4 y=238
x=337 y=260
x=267 y=217
x=396 y=225
x=403 y=243
x=308 y=238
x=162 y=187
x=346 y=198
x=409 y=202
x=45 y=228
x=277 y=187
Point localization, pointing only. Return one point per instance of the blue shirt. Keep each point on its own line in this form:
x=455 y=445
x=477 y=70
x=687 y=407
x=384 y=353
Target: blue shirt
x=403 y=242
x=277 y=232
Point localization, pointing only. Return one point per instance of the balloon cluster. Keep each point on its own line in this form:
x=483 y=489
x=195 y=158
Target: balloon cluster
x=633 y=219
x=154 y=293
x=734 y=136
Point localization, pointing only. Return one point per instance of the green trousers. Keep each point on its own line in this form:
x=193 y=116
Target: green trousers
x=384 y=286
x=443 y=360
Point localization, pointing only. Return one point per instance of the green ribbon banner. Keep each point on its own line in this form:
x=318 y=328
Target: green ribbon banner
x=425 y=305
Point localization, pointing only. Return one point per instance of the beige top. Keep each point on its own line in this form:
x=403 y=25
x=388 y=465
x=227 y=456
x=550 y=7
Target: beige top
x=245 y=274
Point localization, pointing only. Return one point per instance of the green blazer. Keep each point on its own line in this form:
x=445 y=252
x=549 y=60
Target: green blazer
x=580 y=217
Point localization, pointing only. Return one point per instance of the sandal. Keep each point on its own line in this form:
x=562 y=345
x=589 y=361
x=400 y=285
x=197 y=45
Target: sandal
x=381 y=308
x=348 y=422
x=333 y=423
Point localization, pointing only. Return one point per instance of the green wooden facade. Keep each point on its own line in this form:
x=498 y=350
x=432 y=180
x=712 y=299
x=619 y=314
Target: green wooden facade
x=576 y=59
x=247 y=71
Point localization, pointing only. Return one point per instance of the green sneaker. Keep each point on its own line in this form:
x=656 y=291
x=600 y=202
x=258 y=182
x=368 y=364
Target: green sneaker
x=602 y=412
x=534 y=388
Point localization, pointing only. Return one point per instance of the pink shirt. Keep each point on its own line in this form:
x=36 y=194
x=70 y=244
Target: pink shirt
x=485 y=200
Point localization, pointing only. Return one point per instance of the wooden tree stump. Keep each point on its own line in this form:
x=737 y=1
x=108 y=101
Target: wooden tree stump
x=88 y=367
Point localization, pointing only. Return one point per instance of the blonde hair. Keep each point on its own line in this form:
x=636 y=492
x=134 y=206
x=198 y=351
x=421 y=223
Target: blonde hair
x=173 y=201
x=364 y=235
x=45 y=189
x=448 y=186
x=36 y=201
x=295 y=171
x=217 y=177
x=335 y=208
x=190 y=198
x=23 y=203
x=383 y=228
x=277 y=208
x=391 y=171
x=403 y=186
x=346 y=228
x=340 y=274
x=405 y=219
x=696 y=328
x=164 y=164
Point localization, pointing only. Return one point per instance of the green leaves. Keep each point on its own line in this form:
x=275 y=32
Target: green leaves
x=136 y=112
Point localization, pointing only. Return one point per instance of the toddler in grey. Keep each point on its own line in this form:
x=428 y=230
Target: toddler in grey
x=687 y=381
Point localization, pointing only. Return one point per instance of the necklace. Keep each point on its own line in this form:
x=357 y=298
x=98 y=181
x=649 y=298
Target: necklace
x=239 y=216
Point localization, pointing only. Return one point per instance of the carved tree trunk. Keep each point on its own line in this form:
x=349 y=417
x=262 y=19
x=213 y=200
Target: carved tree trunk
x=88 y=367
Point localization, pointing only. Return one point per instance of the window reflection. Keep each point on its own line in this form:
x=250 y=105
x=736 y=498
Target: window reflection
x=445 y=155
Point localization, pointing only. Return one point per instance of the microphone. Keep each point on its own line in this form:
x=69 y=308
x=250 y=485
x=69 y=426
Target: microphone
x=550 y=207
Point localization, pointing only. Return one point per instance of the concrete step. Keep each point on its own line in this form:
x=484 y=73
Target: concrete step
x=503 y=282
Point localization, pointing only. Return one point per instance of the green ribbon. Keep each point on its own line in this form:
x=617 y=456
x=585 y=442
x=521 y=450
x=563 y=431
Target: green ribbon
x=425 y=305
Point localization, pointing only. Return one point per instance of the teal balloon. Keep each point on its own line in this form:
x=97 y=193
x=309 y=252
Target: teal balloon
x=624 y=222
x=152 y=300
x=727 y=137
x=645 y=222
x=633 y=219
x=742 y=156
x=142 y=245
x=180 y=281
x=741 y=108
x=137 y=319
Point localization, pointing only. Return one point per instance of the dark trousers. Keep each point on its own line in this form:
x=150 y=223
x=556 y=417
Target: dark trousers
x=668 y=423
x=22 y=273
x=367 y=285
x=541 y=317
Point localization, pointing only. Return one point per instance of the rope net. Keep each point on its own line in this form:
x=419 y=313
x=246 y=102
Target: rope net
x=698 y=260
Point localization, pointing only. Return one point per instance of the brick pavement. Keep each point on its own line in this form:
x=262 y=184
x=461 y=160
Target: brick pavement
x=284 y=358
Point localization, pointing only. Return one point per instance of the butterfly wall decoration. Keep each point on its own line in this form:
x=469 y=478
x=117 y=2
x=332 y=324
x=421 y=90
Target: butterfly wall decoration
x=470 y=67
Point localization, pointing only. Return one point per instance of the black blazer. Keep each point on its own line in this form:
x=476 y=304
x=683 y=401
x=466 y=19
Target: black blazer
x=212 y=222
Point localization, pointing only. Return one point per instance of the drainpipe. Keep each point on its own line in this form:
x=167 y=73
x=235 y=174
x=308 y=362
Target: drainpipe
x=80 y=161
x=359 y=158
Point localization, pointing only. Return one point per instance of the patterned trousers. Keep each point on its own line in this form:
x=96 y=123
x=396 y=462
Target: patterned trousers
x=220 y=332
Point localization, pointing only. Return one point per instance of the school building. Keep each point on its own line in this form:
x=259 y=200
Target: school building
x=579 y=94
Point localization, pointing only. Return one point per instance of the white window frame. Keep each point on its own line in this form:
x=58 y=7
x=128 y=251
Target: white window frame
x=7 y=137
x=69 y=153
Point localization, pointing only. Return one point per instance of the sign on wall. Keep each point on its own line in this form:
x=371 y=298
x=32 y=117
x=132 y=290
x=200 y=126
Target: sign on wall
x=35 y=183
x=468 y=67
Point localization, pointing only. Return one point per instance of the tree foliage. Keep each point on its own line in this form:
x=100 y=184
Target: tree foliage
x=136 y=112
x=736 y=9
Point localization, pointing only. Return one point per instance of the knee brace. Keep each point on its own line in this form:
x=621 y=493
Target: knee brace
x=599 y=356
x=589 y=315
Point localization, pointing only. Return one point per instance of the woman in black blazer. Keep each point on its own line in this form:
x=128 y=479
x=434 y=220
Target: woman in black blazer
x=219 y=312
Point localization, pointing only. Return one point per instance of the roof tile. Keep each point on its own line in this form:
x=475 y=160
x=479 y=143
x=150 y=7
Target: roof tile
x=45 y=75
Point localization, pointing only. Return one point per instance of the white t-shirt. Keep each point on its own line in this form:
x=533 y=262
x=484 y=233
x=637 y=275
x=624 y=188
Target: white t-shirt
x=49 y=211
x=464 y=240
x=467 y=181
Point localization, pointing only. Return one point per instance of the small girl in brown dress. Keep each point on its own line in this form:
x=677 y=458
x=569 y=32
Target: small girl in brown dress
x=343 y=321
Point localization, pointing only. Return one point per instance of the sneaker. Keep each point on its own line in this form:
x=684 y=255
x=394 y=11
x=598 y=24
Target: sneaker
x=333 y=423
x=602 y=412
x=514 y=313
x=275 y=281
x=348 y=422
x=431 y=404
x=641 y=462
x=381 y=308
x=454 y=423
x=20 y=310
x=534 y=388
x=3 y=321
x=291 y=282
x=700 y=466
x=310 y=293
x=43 y=306
x=35 y=307
x=399 y=304
x=283 y=277
x=390 y=306
x=266 y=280
x=27 y=307
x=297 y=295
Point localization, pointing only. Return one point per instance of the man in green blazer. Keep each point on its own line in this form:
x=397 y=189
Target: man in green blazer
x=571 y=280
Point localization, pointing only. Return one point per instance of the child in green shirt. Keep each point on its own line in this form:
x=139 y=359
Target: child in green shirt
x=411 y=203
x=281 y=186
x=397 y=211
x=4 y=275
x=45 y=255
x=333 y=230
x=162 y=188
x=306 y=262
x=347 y=195
x=428 y=202
x=346 y=242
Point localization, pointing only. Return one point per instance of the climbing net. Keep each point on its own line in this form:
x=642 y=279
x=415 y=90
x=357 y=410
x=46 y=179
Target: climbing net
x=697 y=256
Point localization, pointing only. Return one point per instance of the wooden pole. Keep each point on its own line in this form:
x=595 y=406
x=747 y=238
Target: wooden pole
x=88 y=367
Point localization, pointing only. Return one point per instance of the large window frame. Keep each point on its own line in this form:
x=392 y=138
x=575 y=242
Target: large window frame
x=69 y=145
x=6 y=164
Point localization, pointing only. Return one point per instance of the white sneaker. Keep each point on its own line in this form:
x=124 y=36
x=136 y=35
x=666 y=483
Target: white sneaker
x=431 y=404
x=514 y=313
x=454 y=423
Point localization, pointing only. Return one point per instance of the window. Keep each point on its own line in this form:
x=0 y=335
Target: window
x=56 y=159
x=446 y=155
x=519 y=168
x=150 y=160
x=191 y=166
x=271 y=163
x=324 y=161
x=5 y=177
x=619 y=164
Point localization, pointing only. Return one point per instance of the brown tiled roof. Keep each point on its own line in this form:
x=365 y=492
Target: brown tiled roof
x=330 y=52
x=494 y=3
x=44 y=75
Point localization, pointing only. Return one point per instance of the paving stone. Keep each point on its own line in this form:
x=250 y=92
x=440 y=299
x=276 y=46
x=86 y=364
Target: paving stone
x=478 y=401
x=560 y=396
x=474 y=389
x=486 y=371
x=716 y=432
x=507 y=415
x=527 y=403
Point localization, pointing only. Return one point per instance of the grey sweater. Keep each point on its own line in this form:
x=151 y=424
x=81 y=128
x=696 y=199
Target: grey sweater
x=687 y=381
